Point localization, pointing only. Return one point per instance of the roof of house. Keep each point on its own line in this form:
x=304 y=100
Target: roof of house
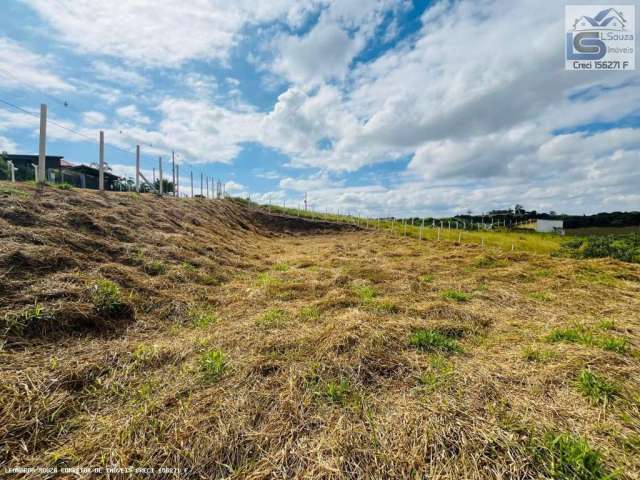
x=90 y=171
x=13 y=157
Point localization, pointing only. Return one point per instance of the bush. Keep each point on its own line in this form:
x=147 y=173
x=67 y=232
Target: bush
x=202 y=317
x=582 y=336
x=365 y=293
x=30 y=319
x=455 y=295
x=213 y=364
x=155 y=267
x=4 y=169
x=597 y=388
x=107 y=298
x=309 y=313
x=429 y=340
x=273 y=318
x=570 y=457
x=337 y=392
x=621 y=247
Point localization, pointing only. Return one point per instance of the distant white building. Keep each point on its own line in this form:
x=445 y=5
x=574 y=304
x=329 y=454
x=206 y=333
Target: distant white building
x=550 y=226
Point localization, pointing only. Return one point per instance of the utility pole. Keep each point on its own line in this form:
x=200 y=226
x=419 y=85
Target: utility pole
x=305 y=201
x=177 y=185
x=101 y=165
x=173 y=169
x=191 y=183
x=42 y=158
x=160 y=189
x=201 y=184
x=138 y=168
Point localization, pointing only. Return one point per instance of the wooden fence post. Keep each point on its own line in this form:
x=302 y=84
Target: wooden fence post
x=138 y=168
x=42 y=157
x=12 y=170
x=173 y=170
x=177 y=185
x=101 y=164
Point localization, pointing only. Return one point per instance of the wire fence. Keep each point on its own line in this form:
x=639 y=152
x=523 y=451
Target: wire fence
x=162 y=172
x=149 y=165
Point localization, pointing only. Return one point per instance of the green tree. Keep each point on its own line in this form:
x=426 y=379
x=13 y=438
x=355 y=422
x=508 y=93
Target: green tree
x=4 y=167
x=167 y=186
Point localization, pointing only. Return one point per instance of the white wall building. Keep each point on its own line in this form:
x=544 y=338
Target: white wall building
x=550 y=226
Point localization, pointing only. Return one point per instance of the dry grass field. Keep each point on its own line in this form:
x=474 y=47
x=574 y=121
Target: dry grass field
x=229 y=343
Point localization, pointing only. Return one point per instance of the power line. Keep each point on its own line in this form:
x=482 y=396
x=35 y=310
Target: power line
x=71 y=130
x=48 y=120
x=64 y=103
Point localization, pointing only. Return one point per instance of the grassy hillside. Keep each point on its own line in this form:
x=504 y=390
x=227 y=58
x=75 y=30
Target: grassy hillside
x=503 y=239
x=229 y=343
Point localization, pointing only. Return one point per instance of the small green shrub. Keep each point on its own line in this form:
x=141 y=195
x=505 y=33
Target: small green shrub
x=107 y=297
x=273 y=318
x=455 y=295
x=487 y=262
x=267 y=281
x=189 y=267
x=430 y=340
x=365 y=293
x=426 y=278
x=532 y=354
x=209 y=280
x=597 y=388
x=28 y=320
x=213 y=364
x=571 y=458
x=440 y=371
x=607 y=324
x=614 y=344
x=145 y=353
x=583 y=336
x=383 y=306
x=202 y=317
x=13 y=191
x=540 y=296
x=64 y=186
x=281 y=267
x=155 y=267
x=571 y=335
x=337 y=392
x=309 y=313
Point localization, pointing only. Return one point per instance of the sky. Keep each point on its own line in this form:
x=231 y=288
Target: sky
x=373 y=107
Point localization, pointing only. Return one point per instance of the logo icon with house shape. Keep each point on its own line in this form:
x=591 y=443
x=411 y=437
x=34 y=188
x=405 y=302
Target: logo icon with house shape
x=609 y=20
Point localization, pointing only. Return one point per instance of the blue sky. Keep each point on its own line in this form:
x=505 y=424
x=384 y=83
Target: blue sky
x=391 y=107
